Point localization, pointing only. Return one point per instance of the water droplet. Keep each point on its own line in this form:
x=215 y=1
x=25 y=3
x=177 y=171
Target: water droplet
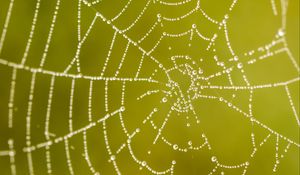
x=175 y=147
x=240 y=65
x=236 y=58
x=213 y=159
x=112 y=157
x=280 y=32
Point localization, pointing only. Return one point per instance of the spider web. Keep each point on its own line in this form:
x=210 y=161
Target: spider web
x=117 y=112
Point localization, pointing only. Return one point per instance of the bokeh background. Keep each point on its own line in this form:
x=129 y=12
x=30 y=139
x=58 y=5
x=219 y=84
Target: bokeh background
x=250 y=25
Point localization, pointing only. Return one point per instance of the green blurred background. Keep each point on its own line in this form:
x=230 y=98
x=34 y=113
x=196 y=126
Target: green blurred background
x=251 y=25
